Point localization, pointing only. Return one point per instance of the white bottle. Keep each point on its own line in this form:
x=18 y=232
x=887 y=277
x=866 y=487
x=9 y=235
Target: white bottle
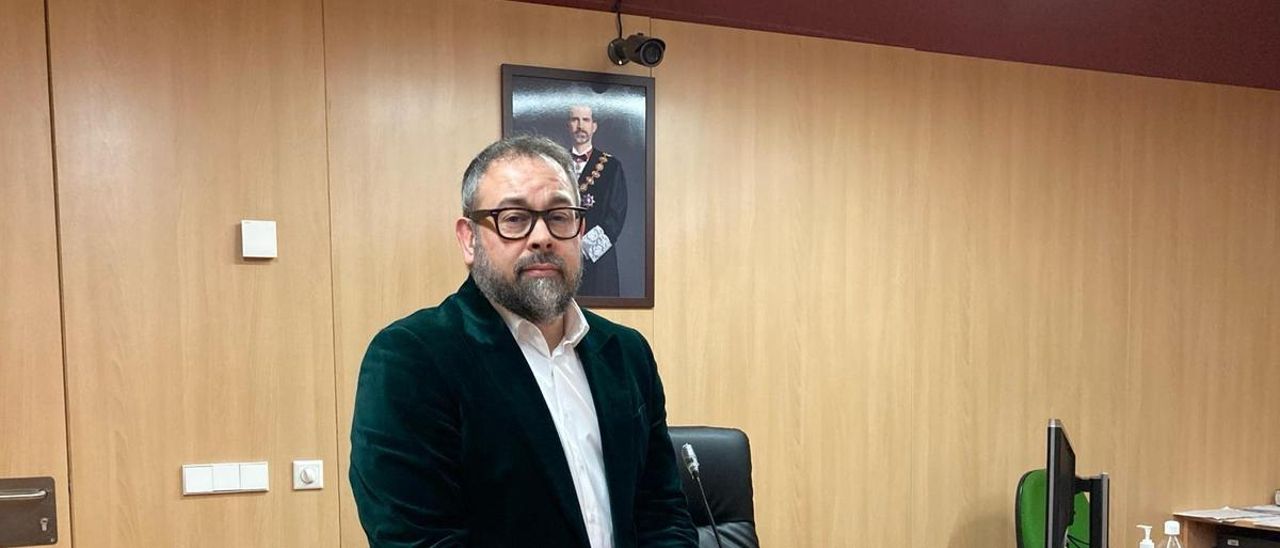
x=1146 y=542
x=1171 y=530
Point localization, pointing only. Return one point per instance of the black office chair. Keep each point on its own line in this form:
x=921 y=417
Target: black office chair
x=725 y=457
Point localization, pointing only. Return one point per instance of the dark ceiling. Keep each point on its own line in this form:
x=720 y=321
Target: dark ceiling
x=1221 y=41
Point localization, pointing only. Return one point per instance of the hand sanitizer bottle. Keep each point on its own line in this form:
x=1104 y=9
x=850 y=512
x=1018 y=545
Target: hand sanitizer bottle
x=1146 y=542
x=1171 y=530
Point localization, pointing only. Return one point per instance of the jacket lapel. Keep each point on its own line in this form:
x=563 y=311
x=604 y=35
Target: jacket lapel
x=500 y=354
x=615 y=411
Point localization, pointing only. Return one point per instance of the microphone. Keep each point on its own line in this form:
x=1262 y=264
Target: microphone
x=690 y=459
x=691 y=464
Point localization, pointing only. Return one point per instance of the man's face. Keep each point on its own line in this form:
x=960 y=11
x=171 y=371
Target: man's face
x=537 y=276
x=582 y=126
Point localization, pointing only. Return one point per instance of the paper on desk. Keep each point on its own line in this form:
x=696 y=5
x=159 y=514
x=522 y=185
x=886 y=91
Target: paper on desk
x=1272 y=522
x=1226 y=513
x=1266 y=508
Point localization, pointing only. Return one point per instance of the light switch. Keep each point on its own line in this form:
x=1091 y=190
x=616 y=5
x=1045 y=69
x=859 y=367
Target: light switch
x=308 y=474
x=223 y=478
x=197 y=479
x=258 y=239
x=226 y=477
x=254 y=476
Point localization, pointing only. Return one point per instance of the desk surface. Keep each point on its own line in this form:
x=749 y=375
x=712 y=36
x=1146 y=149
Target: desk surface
x=1203 y=533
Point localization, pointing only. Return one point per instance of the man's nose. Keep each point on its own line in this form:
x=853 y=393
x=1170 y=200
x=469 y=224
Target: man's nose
x=540 y=238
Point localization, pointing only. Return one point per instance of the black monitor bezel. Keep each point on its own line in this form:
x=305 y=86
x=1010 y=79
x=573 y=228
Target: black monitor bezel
x=1061 y=482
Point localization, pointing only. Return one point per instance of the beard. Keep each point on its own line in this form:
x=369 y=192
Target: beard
x=535 y=299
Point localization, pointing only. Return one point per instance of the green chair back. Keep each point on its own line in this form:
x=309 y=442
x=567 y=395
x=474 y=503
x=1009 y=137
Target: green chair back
x=1029 y=513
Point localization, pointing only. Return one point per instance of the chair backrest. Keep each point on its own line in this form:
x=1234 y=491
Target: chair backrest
x=1029 y=513
x=725 y=458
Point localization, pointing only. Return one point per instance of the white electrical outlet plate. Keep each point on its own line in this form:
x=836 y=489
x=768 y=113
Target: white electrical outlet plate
x=308 y=474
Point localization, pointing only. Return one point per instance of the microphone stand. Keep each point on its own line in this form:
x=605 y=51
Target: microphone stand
x=691 y=462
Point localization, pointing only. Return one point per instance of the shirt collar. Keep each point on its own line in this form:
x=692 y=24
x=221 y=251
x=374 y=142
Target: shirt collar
x=575 y=324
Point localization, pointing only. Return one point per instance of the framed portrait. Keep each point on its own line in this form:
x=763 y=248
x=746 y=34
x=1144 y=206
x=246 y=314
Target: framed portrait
x=606 y=122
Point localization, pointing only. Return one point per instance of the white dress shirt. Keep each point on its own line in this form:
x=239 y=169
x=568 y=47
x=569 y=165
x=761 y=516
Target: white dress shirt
x=568 y=395
x=579 y=166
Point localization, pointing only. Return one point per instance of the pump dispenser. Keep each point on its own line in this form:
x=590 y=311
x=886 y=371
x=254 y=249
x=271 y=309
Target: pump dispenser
x=1146 y=542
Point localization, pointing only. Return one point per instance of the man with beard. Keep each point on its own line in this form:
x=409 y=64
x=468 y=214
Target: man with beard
x=603 y=186
x=507 y=415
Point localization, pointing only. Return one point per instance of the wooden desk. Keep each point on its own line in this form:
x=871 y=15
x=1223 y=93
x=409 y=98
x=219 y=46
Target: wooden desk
x=1203 y=533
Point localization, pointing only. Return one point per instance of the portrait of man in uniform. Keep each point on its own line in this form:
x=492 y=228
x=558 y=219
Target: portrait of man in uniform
x=603 y=185
x=606 y=122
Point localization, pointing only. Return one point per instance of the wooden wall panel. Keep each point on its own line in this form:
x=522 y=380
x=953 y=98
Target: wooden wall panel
x=175 y=121
x=903 y=264
x=1028 y=280
x=414 y=94
x=33 y=420
x=1206 y=248
x=775 y=193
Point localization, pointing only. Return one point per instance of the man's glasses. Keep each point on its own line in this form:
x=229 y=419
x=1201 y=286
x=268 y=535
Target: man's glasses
x=516 y=223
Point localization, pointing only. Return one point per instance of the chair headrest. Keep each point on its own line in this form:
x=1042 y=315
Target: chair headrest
x=725 y=458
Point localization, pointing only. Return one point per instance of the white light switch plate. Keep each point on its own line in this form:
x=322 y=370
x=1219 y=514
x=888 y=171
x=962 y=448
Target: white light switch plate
x=254 y=476
x=197 y=479
x=258 y=239
x=225 y=477
x=308 y=474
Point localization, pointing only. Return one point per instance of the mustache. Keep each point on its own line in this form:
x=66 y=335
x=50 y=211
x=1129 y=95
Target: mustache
x=539 y=258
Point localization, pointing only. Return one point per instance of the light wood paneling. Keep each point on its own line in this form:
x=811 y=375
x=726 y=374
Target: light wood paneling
x=1027 y=281
x=1206 y=249
x=175 y=121
x=414 y=94
x=33 y=423
x=788 y=216
x=892 y=267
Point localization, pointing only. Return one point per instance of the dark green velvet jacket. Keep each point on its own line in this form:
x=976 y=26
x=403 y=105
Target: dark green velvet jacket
x=452 y=443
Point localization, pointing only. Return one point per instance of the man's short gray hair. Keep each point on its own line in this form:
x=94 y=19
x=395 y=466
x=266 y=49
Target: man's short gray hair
x=520 y=146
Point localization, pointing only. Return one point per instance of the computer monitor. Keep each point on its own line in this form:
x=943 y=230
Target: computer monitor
x=1063 y=484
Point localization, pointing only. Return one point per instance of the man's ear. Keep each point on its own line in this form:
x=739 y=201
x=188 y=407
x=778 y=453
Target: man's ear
x=466 y=233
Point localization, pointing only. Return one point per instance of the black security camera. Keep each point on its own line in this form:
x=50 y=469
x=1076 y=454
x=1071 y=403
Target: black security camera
x=642 y=49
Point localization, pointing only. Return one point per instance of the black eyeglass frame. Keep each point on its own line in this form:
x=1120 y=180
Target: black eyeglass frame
x=478 y=215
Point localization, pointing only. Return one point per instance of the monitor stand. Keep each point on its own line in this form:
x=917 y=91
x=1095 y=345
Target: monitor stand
x=1099 y=489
